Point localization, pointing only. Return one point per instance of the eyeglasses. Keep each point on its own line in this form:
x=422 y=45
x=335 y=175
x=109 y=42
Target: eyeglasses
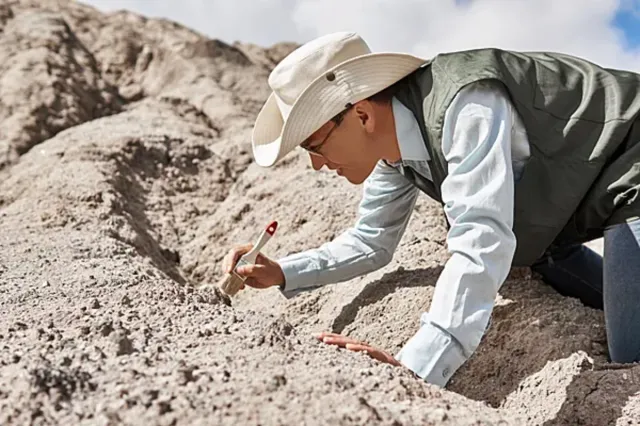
x=336 y=120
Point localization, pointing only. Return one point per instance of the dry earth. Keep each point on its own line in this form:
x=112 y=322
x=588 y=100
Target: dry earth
x=125 y=176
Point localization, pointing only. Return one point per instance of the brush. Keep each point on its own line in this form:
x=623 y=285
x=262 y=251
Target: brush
x=233 y=281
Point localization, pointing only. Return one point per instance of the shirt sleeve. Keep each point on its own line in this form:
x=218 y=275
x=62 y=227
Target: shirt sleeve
x=387 y=202
x=478 y=196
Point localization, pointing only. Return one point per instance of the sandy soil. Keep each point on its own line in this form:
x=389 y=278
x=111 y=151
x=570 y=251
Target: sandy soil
x=125 y=176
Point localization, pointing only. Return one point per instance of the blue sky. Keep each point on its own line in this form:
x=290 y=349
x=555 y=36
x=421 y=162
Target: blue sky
x=604 y=31
x=627 y=19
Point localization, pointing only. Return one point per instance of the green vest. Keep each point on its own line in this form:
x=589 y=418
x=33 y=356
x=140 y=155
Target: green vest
x=583 y=126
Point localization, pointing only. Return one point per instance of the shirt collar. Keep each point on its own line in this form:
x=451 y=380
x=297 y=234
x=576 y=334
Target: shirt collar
x=410 y=142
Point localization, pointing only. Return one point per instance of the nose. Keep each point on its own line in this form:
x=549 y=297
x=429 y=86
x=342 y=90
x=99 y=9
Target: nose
x=317 y=161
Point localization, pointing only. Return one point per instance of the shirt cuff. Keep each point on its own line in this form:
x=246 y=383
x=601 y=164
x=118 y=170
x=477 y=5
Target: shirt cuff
x=432 y=353
x=300 y=275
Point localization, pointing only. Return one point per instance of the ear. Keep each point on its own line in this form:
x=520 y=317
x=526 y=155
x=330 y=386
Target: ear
x=365 y=112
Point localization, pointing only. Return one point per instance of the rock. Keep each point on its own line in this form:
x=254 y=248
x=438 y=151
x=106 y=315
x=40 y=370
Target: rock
x=64 y=381
x=106 y=328
x=125 y=301
x=124 y=345
x=186 y=374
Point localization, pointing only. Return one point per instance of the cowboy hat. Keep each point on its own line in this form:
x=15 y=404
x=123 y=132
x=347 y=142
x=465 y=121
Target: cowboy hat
x=317 y=81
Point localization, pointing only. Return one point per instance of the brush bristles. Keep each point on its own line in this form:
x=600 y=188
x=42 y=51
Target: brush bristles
x=231 y=284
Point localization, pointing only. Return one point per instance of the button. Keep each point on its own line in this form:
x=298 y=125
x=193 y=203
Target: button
x=445 y=372
x=331 y=76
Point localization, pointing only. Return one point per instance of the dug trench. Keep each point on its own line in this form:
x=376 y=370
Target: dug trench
x=113 y=226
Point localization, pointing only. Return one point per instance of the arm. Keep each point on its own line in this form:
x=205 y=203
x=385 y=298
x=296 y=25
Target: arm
x=386 y=206
x=478 y=194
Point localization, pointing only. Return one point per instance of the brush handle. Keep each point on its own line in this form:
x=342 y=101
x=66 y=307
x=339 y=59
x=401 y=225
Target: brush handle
x=252 y=255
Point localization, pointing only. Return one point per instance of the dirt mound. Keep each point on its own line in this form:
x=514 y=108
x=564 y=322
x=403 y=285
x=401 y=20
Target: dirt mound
x=50 y=81
x=127 y=176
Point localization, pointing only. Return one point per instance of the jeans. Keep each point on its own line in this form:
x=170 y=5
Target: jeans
x=611 y=283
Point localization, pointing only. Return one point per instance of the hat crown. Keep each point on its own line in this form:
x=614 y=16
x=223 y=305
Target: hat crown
x=296 y=71
x=314 y=83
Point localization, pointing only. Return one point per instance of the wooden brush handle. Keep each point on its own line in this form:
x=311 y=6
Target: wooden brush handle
x=250 y=257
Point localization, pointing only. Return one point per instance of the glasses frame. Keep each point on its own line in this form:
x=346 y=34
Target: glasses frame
x=337 y=119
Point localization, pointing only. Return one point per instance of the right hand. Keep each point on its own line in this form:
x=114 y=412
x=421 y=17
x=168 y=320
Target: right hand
x=263 y=274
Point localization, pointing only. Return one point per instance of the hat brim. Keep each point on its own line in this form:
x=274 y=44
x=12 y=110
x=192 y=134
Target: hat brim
x=356 y=79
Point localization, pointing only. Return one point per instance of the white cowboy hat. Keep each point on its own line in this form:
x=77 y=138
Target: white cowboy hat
x=317 y=81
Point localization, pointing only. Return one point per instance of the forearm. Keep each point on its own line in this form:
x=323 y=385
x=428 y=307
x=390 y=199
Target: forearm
x=482 y=249
x=461 y=306
x=340 y=260
x=386 y=206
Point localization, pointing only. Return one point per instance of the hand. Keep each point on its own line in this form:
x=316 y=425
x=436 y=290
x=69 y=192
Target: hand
x=357 y=346
x=263 y=274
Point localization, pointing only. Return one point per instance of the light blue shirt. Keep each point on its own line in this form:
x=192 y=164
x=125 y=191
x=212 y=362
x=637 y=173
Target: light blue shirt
x=484 y=144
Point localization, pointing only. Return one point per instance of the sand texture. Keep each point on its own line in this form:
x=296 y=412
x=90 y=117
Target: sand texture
x=126 y=175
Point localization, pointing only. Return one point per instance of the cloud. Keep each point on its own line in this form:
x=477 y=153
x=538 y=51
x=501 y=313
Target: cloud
x=423 y=27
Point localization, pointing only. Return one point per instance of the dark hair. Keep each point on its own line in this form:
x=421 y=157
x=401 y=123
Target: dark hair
x=382 y=97
x=385 y=95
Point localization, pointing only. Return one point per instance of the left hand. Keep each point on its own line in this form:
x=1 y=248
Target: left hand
x=357 y=346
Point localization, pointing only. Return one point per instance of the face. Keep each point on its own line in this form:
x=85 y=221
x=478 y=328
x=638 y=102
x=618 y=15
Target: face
x=347 y=143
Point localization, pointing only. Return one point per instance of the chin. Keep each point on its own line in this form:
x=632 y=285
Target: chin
x=355 y=179
x=358 y=176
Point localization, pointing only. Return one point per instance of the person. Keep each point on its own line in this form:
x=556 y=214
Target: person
x=531 y=154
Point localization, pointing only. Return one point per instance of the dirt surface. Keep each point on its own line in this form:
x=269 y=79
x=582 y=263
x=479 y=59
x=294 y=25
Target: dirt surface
x=125 y=176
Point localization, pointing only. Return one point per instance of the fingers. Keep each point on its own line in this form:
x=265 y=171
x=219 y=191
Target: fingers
x=336 y=339
x=356 y=346
x=373 y=353
x=252 y=271
x=359 y=347
x=233 y=255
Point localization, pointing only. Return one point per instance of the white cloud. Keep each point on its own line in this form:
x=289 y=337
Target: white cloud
x=422 y=27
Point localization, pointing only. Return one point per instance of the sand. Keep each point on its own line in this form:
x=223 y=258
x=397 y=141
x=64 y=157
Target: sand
x=125 y=176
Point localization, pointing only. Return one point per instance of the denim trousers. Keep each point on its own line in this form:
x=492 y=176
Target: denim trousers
x=610 y=282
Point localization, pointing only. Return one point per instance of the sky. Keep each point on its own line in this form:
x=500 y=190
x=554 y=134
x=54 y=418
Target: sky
x=603 y=31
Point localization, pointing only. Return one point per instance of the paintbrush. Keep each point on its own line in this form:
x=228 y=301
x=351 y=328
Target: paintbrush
x=233 y=281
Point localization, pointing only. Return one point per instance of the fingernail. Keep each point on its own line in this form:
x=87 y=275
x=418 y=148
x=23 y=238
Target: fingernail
x=241 y=270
